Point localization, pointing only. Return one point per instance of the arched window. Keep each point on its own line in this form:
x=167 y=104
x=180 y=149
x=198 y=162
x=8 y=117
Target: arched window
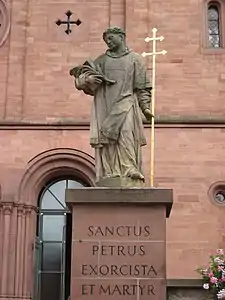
x=214 y=25
x=53 y=247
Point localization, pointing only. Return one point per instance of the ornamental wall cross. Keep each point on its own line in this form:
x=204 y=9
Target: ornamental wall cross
x=68 y=22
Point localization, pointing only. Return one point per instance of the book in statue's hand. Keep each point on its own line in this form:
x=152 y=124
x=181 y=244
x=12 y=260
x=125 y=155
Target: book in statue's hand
x=89 y=68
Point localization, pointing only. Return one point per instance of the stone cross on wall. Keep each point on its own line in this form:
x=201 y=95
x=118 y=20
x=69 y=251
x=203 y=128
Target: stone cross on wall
x=68 y=22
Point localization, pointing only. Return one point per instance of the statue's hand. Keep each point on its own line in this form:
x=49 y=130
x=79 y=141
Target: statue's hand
x=148 y=114
x=93 y=79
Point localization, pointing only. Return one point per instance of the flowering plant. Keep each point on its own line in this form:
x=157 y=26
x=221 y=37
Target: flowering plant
x=214 y=275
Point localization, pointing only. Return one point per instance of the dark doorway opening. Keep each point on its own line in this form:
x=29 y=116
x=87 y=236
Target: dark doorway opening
x=68 y=255
x=53 y=242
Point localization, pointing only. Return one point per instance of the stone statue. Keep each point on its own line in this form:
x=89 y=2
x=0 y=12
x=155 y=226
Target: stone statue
x=118 y=81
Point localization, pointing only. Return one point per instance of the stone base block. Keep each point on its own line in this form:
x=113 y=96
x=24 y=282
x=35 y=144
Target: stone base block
x=119 y=243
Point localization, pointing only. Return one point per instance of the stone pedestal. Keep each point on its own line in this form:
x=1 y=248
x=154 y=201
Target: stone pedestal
x=119 y=243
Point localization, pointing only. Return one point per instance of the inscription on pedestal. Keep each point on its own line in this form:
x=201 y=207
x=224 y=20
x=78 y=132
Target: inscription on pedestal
x=119 y=243
x=123 y=260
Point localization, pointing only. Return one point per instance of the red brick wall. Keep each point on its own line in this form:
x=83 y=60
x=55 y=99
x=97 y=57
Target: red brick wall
x=187 y=160
x=35 y=85
x=38 y=55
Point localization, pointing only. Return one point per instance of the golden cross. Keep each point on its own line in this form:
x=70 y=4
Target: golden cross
x=154 y=38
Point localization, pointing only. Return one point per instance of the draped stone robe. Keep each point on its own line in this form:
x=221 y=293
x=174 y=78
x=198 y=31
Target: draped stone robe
x=116 y=130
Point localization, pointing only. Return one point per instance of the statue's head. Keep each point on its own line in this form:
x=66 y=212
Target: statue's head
x=114 y=37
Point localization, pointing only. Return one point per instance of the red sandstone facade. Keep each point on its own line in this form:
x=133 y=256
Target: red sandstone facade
x=44 y=122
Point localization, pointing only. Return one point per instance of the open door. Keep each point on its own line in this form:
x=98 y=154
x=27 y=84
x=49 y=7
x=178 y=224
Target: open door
x=37 y=268
x=63 y=263
x=53 y=244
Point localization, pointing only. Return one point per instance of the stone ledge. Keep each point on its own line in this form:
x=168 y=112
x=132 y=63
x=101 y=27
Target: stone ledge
x=184 y=283
x=72 y=122
x=109 y=196
x=160 y=122
x=182 y=119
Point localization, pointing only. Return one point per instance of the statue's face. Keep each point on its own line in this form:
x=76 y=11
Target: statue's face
x=113 y=41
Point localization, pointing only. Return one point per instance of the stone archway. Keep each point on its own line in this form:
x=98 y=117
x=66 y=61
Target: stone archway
x=18 y=218
x=52 y=164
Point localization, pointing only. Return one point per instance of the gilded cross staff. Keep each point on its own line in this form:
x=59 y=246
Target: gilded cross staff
x=154 y=39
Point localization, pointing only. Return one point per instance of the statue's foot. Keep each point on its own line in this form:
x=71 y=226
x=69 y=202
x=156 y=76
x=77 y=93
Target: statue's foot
x=111 y=175
x=136 y=175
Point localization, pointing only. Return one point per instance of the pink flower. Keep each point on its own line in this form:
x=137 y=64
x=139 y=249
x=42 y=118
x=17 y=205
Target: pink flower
x=213 y=279
x=220 y=268
x=220 y=251
x=211 y=274
x=223 y=278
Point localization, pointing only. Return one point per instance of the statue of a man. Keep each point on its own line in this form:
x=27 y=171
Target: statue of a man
x=118 y=81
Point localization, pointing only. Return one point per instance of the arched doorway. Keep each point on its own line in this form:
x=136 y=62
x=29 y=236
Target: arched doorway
x=53 y=243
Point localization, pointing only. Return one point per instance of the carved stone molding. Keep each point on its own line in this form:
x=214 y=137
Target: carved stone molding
x=161 y=121
x=4 y=21
x=20 y=210
x=7 y=208
x=51 y=164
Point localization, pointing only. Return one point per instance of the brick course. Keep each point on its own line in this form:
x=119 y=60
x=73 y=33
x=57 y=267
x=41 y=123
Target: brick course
x=38 y=55
x=195 y=226
x=35 y=85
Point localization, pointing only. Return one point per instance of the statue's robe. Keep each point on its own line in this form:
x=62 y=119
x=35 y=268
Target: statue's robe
x=116 y=129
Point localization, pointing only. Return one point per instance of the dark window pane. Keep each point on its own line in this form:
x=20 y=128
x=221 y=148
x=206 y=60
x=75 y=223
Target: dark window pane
x=214 y=41
x=54 y=196
x=74 y=184
x=213 y=13
x=58 y=190
x=48 y=201
x=50 y=286
x=53 y=227
x=220 y=197
x=214 y=26
x=52 y=257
